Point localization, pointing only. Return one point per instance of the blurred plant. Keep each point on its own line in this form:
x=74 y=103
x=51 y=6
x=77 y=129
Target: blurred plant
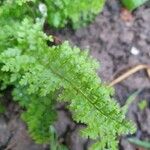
x=139 y=143
x=130 y=100
x=60 y=13
x=133 y=4
x=54 y=144
x=75 y=12
x=2 y=108
x=142 y=104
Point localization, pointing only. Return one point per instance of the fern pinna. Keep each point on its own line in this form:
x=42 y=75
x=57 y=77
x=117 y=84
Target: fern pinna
x=42 y=74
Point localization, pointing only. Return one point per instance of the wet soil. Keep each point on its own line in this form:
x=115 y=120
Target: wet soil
x=117 y=44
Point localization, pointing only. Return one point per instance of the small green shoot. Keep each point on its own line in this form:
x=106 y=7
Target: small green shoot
x=130 y=99
x=2 y=108
x=54 y=144
x=139 y=143
x=133 y=4
x=142 y=105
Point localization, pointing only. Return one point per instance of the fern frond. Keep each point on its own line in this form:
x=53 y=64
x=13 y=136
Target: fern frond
x=39 y=112
x=43 y=70
x=39 y=116
x=78 y=13
x=21 y=2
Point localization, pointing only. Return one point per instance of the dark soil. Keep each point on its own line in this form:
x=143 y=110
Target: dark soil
x=111 y=40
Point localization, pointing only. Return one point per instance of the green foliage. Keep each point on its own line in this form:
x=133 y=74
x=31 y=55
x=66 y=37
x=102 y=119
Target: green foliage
x=130 y=100
x=139 y=143
x=61 y=12
x=39 y=116
x=2 y=108
x=142 y=104
x=54 y=144
x=133 y=4
x=20 y=2
x=42 y=74
x=77 y=12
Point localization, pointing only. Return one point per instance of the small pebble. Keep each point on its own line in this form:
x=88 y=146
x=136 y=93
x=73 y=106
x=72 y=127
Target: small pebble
x=135 y=51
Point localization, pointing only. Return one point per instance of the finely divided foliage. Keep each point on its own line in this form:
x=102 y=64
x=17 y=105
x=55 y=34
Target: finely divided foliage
x=42 y=74
x=76 y=12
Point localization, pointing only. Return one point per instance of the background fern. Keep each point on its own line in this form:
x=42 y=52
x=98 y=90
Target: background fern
x=78 y=13
x=63 y=12
x=41 y=74
x=59 y=12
